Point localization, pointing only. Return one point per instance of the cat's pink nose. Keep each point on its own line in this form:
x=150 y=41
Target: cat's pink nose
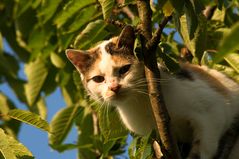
x=115 y=88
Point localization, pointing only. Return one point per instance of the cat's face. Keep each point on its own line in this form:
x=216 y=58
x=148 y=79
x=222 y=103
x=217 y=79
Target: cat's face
x=108 y=72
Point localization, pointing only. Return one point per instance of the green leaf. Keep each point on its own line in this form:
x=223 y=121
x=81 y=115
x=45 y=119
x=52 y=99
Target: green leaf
x=29 y=118
x=40 y=108
x=17 y=86
x=21 y=7
x=83 y=18
x=220 y=4
x=9 y=33
x=67 y=147
x=197 y=45
x=110 y=124
x=12 y=149
x=8 y=65
x=36 y=73
x=107 y=7
x=229 y=43
x=5 y=105
x=230 y=72
x=61 y=124
x=178 y=5
x=39 y=38
x=192 y=19
x=141 y=147
x=71 y=8
x=233 y=60
x=57 y=60
x=48 y=9
x=93 y=33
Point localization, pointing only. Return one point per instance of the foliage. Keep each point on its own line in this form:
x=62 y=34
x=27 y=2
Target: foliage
x=39 y=32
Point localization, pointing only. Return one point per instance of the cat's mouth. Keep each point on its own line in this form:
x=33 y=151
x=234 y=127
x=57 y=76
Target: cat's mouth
x=112 y=96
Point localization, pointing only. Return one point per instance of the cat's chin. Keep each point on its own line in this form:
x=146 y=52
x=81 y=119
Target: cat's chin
x=115 y=98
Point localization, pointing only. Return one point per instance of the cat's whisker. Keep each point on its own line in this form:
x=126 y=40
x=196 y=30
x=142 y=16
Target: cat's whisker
x=152 y=80
x=96 y=101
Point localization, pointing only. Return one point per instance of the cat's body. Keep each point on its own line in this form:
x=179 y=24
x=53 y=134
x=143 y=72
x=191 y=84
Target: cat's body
x=202 y=102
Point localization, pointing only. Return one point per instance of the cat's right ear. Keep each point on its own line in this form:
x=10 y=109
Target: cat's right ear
x=78 y=58
x=126 y=38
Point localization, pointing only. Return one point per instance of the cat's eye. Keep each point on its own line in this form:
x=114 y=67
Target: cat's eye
x=124 y=69
x=98 y=79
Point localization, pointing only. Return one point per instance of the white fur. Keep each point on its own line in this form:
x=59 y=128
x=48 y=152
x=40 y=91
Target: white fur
x=191 y=104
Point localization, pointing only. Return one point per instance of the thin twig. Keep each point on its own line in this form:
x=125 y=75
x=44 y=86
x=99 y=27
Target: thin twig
x=117 y=23
x=153 y=43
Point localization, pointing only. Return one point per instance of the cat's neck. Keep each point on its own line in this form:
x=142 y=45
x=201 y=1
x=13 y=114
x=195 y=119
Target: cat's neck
x=135 y=112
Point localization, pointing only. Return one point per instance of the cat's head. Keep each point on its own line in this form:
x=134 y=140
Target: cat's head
x=110 y=70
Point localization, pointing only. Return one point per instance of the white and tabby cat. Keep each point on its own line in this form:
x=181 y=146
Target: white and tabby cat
x=202 y=102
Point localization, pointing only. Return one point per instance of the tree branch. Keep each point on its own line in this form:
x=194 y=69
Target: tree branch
x=153 y=43
x=116 y=23
x=158 y=108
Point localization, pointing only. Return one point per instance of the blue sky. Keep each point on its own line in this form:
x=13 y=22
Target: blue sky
x=34 y=139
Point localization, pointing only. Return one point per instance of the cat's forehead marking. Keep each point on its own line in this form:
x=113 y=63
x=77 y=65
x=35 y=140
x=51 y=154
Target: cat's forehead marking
x=106 y=62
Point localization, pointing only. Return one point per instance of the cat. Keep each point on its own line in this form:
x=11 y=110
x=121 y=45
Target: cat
x=201 y=102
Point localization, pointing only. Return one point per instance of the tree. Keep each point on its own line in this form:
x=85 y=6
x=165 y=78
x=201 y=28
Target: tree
x=39 y=31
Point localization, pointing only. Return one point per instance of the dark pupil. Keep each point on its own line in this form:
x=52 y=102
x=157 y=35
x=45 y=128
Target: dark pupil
x=98 y=79
x=124 y=69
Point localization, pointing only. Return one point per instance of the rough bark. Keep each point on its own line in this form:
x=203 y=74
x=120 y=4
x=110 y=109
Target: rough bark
x=160 y=113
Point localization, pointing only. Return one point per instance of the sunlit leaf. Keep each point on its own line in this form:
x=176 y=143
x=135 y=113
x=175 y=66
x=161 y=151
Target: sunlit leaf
x=40 y=108
x=57 y=60
x=219 y=15
x=230 y=72
x=107 y=6
x=38 y=38
x=61 y=124
x=29 y=118
x=168 y=8
x=36 y=73
x=233 y=60
x=229 y=43
x=196 y=45
x=85 y=16
x=93 y=33
x=70 y=9
x=48 y=9
x=12 y=149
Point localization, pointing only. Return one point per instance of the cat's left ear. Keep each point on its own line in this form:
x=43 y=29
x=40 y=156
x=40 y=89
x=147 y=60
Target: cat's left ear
x=126 y=38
